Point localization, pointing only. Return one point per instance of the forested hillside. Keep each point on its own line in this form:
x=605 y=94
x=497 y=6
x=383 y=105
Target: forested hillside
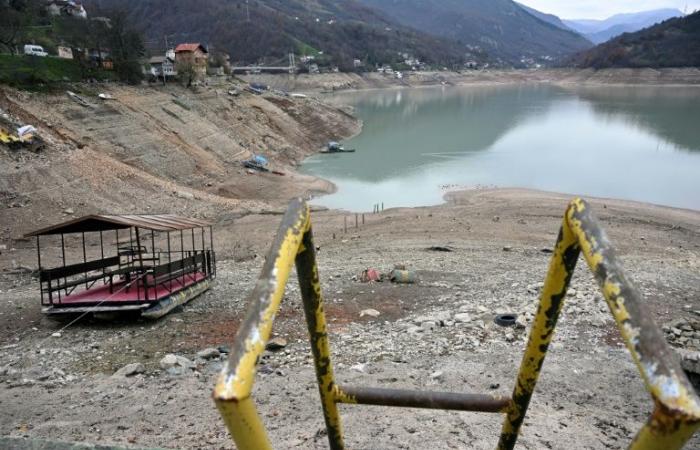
x=674 y=43
x=269 y=30
x=502 y=28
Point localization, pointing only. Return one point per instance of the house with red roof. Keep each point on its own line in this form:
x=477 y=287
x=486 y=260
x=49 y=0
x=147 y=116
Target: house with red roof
x=195 y=54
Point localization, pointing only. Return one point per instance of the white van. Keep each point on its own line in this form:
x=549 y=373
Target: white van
x=35 y=50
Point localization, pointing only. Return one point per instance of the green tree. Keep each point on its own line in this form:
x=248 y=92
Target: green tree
x=16 y=16
x=127 y=48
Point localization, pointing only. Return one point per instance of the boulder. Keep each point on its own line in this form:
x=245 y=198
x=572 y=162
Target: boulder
x=130 y=370
x=209 y=353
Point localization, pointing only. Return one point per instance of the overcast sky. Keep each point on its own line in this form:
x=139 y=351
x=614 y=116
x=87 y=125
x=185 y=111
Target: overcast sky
x=601 y=9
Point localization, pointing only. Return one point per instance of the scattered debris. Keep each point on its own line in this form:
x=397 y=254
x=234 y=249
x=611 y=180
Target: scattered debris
x=437 y=375
x=209 y=353
x=257 y=162
x=440 y=249
x=78 y=99
x=175 y=364
x=370 y=313
x=371 y=275
x=277 y=343
x=105 y=97
x=505 y=320
x=19 y=136
x=463 y=318
x=403 y=276
x=257 y=88
x=130 y=370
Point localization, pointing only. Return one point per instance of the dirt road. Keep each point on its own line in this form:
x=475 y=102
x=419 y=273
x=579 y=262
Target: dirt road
x=436 y=335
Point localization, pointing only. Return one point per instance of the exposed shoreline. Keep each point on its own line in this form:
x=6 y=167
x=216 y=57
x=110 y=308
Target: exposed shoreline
x=495 y=265
x=498 y=244
x=334 y=82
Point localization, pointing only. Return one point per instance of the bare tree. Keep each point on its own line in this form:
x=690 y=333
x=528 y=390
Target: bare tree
x=186 y=71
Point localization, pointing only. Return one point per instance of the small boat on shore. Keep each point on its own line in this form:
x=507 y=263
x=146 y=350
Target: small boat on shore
x=336 y=147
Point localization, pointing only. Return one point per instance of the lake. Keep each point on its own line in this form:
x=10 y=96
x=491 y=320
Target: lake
x=635 y=143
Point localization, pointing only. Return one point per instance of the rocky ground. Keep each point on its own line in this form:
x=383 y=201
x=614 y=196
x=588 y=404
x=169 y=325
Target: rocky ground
x=150 y=146
x=148 y=384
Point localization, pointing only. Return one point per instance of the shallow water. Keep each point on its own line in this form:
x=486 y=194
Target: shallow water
x=636 y=143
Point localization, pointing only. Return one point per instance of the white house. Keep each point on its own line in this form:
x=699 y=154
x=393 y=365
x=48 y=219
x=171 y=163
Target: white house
x=66 y=8
x=162 y=66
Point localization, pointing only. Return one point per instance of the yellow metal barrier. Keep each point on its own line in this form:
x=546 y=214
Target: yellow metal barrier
x=677 y=408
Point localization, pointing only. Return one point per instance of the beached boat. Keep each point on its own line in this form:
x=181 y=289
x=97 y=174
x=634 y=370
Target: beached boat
x=336 y=147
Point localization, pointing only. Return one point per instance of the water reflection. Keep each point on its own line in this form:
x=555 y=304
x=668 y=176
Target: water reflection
x=621 y=142
x=672 y=113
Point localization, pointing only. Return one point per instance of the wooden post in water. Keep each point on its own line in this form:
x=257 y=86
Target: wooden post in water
x=345 y=224
x=363 y=218
x=357 y=224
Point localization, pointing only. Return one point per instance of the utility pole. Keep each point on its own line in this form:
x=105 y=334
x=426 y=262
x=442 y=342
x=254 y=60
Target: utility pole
x=247 y=10
x=162 y=67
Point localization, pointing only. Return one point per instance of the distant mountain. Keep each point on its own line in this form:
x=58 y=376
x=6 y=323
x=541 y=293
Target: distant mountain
x=599 y=31
x=335 y=31
x=549 y=18
x=500 y=27
x=673 y=43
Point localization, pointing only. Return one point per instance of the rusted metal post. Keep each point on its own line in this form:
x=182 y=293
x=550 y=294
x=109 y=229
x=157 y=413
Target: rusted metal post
x=102 y=255
x=142 y=275
x=426 y=400
x=211 y=247
x=182 y=261
x=205 y=264
x=310 y=286
x=84 y=259
x=233 y=390
x=561 y=269
x=63 y=263
x=153 y=246
x=38 y=258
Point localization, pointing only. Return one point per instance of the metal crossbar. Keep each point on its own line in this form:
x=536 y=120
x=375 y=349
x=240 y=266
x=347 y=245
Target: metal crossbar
x=676 y=415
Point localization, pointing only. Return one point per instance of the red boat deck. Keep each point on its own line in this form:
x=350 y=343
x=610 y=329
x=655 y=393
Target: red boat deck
x=123 y=294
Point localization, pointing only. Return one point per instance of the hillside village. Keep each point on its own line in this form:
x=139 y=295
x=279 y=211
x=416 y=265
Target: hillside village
x=154 y=149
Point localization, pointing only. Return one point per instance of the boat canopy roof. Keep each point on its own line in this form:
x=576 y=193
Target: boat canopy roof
x=101 y=222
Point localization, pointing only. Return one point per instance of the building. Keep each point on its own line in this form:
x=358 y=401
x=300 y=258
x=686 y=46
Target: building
x=100 y=57
x=193 y=54
x=162 y=67
x=65 y=52
x=66 y=8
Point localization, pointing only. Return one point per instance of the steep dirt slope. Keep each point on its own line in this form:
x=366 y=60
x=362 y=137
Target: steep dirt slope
x=159 y=149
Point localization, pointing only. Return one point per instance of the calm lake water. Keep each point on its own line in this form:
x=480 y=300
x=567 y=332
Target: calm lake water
x=620 y=142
